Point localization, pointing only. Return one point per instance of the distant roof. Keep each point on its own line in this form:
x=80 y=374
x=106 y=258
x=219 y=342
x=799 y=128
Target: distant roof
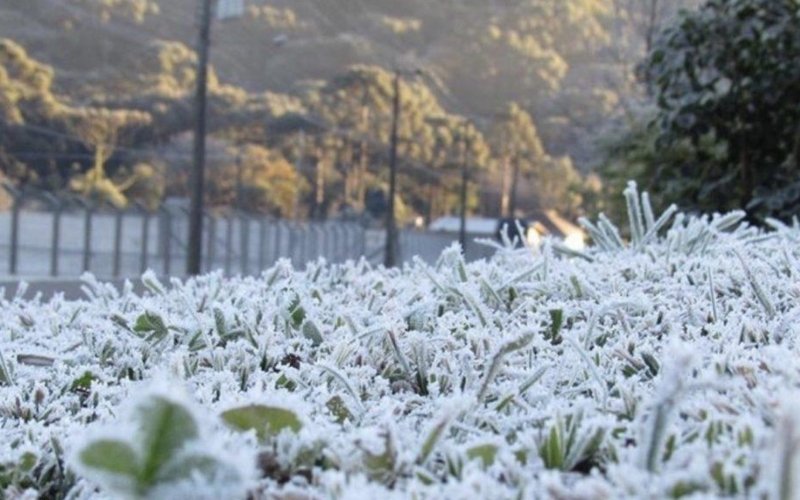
x=545 y=222
x=475 y=225
x=550 y=222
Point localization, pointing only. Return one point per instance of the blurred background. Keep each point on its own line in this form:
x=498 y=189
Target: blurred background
x=538 y=109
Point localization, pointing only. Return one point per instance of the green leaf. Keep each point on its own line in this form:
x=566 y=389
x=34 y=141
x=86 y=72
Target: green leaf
x=219 y=322
x=109 y=455
x=297 y=313
x=436 y=434
x=311 y=332
x=27 y=461
x=196 y=342
x=339 y=410
x=84 y=382
x=557 y=318
x=120 y=321
x=522 y=456
x=165 y=427
x=497 y=360
x=152 y=324
x=651 y=363
x=183 y=468
x=284 y=382
x=5 y=373
x=424 y=477
x=485 y=452
x=552 y=450
x=267 y=421
x=379 y=467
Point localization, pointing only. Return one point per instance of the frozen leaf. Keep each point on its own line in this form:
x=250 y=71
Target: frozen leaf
x=164 y=428
x=486 y=453
x=267 y=421
x=115 y=457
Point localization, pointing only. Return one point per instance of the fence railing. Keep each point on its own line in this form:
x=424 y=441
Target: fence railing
x=46 y=235
x=63 y=236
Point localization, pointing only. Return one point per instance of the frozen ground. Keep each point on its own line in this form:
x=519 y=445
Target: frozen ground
x=661 y=367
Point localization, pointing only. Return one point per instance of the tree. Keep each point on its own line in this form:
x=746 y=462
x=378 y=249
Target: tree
x=136 y=10
x=268 y=183
x=727 y=86
x=25 y=86
x=99 y=129
x=518 y=149
x=355 y=111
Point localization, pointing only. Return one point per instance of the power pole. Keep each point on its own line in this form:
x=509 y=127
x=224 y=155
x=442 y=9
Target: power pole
x=239 y=181
x=512 y=209
x=197 y=181
x=363 y=161
x=462 y=226
x=319 y=183
x=390 y=257
x=299 y=163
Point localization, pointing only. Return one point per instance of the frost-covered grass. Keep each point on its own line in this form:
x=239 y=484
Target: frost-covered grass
x=663 y=366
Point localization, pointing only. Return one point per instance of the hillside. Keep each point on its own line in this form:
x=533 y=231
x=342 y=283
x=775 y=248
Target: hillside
x=567 y=64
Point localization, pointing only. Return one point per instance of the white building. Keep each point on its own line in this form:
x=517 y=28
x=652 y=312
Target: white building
x=542 y=223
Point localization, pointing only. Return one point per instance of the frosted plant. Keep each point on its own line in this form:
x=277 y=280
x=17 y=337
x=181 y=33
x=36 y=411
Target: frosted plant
x=160 y=453
x=533 y=373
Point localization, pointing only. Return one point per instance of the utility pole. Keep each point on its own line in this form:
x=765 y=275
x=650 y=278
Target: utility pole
x=512 y=209
x=363 y=161
x=239 y=181
x=390 y=257
x=462 y=226
x=195 y=253
x=299 y=163
x=319 y=183
x=505 y=188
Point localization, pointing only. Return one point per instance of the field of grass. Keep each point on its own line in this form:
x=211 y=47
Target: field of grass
x=664 y=365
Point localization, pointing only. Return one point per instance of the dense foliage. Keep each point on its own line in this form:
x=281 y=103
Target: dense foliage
x=656 y=368
x=726 y=133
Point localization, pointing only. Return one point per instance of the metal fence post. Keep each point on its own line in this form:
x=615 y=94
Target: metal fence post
x=277 y=236
x=211 y=242
x=356 y=245
x=362 y=249
x=326 y=247
x=16 y=197
x=167 y=243
x=341 y=242
x=294 y=243
x=309 y=235
x=87 y=236
x=145 y=239
x=339 y=236
x=348 y=240
x=117 y=259
x=315 y=231
x=228 y=244
x=262 y=243
x=56 y=205
x=244 y=243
